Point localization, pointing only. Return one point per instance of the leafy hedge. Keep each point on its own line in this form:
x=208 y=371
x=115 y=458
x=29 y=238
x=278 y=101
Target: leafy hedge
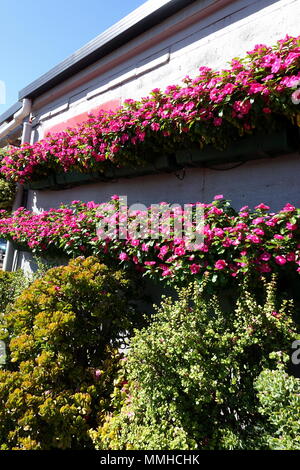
x=198 y=377
x=216 y=107
x=61 y=338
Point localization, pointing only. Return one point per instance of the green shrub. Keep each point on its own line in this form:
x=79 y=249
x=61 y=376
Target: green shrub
x=191 y=374
x=11 y=286
x=279 y=397
x=7 y=194
x=61 y=338
x=12 y=283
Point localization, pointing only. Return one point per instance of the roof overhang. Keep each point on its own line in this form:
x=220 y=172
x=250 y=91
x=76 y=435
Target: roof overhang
x=143 y=18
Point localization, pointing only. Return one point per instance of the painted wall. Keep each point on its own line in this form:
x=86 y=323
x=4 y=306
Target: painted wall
x=197 y=36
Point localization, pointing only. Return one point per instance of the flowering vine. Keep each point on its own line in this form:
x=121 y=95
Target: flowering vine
x=233 y=242
x=216 y=107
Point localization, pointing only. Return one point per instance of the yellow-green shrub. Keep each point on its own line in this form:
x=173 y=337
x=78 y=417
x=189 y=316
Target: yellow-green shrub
x=61 y=338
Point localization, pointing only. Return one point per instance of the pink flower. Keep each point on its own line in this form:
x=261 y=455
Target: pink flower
x=258 y=231
x=91 y=205
x=288 y=208
x=220 y=264
x=218 y=196
x=167 y=272
x=258 y=220
x=218 y=122
x=291 y=226
x=123 y=256
x=264 y=268
x=155 y=126
x=275 y=314
x=179 y=251
x=280 y=260
x=195 y=268
x=290 y=257
x=265 y=256
x=262 y=207
x=253 y=238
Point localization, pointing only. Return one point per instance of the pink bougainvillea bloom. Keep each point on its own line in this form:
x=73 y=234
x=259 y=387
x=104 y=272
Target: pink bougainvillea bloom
x=291 y=257
x=220 y=264
x=258 y=231
x=265 y=256
x=291 y=226
x=167 y=272
x=253 y=238
x=280 y=259
x=155 y=126
x=219 y=232
x=258 y=220
x=179 y=251
x=91 y=205
x=218 y=122
x=123 y=256
x=288 y=208
x=264 y=268
x=262 y=207
x=218 y=196
x=275 y=314
x=195 y=268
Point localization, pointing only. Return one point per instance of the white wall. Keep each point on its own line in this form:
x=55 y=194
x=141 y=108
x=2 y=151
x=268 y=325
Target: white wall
x=272 y=181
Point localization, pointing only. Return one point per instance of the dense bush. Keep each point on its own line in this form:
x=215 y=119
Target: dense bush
x=61 y=338
x=279 y=397
x=7 y=194
x=191 y=375
x=11 y=285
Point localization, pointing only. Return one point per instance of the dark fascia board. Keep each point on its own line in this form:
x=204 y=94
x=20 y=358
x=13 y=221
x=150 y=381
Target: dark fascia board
x=134 y=24
x=10 y=112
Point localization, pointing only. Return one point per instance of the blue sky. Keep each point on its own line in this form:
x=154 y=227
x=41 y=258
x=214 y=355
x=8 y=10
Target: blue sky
x=36 y=35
